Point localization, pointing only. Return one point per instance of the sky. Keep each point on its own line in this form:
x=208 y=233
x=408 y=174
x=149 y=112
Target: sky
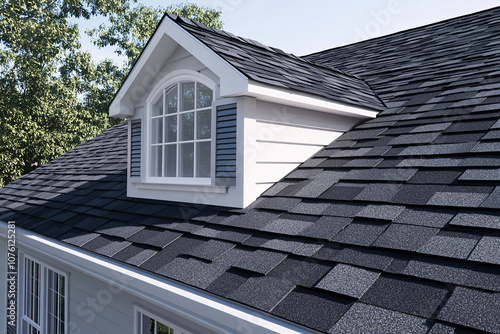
x=301 y=27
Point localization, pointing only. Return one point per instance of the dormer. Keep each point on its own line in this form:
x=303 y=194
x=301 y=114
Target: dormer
x=216 y=119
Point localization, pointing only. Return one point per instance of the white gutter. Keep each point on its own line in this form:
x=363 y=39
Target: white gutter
x=215 y=313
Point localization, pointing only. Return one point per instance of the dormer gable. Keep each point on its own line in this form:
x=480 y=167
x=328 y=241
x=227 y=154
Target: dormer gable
x=216 y=119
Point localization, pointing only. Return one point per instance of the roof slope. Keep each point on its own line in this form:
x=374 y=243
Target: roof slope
x=274 y=67
x=394 y=227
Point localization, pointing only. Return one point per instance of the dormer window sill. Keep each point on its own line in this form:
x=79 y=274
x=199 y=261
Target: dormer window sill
x=193 y=188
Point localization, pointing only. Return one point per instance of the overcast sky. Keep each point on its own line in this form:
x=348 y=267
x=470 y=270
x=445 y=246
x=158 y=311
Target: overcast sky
x=303 y=27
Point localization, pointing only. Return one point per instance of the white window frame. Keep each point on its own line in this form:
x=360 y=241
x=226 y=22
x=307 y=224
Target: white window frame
x=43 y=301
x=159 y=90
x=138 y=320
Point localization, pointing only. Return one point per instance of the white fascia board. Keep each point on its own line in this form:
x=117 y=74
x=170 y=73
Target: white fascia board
x=233 y=82
x=201 y=307
x=306 y=101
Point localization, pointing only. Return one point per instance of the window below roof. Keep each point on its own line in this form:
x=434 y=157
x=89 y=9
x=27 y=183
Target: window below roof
x=148 y=323
x=43 y=298
x=180 y=150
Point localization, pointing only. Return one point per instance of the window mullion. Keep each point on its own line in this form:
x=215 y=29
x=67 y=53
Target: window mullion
x=177 y=145
x=195 y=134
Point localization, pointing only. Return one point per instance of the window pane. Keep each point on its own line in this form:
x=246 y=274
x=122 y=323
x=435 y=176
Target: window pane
x=203 y=160
x=55 y=303
x=204 y=124
x=171 y=129
x=157 y=130
x=172 y=100
x=204 y=96
x=156 y=162
x=186 y=157
x=187 y=126
x=158 y=107
x=187 y=96
x=163 y=329
x=170 y=160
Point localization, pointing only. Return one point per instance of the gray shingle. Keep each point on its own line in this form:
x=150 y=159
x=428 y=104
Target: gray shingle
x=457 y=199
x=493 y=200
x=487 y=250
x=473 y=308
x=211 y=249
x=287 y=226
x=431 y=127
x=262 y=292
x=363 y=318
x=260 y=261
x=423 y=217
x=385 y=212
x=420 y=138
x=449 y=247
x=348 y=280
x=477 y=220
x=438 y=149
x=192 y=271
x=481 y=175
x=441 y=272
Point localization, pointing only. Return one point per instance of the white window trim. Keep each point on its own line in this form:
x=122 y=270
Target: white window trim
x=43 y=308
x=169 y=80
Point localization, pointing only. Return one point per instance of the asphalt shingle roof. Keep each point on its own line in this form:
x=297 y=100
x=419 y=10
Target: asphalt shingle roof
x=408 y=202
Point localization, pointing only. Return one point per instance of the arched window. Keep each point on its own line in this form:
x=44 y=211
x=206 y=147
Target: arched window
x=181 y=131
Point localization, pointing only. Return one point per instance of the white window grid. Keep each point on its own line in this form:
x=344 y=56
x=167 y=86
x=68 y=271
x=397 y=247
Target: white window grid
x=178 y=141
x=44 y=307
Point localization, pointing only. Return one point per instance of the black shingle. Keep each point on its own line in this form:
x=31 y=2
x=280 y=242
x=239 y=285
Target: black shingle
x=260 y=261
x=360 y=233
x=299 y=272
x=385 y=212
x=405 y=237
x=312 y=308
x=412 y=296
x=211 y=249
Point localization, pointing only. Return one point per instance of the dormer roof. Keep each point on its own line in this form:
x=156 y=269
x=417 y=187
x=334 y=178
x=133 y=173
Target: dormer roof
x=248 y=68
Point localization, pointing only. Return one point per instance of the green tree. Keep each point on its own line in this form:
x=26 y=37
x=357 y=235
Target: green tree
x=53 y=95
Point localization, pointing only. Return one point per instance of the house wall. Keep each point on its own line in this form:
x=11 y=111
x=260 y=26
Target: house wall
x=285 y=136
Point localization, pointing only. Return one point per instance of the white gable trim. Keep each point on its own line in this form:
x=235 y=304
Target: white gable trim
x=203 y=308
x=232 y=81
x=306 y=101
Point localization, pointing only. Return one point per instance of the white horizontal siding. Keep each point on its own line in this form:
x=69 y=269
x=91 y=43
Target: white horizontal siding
x=285 y=137
x=96 y=307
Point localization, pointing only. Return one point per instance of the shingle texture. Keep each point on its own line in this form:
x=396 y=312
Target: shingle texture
x=417 y=224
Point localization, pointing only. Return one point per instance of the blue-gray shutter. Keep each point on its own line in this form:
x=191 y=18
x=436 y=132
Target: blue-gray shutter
x=225 y=145
x=135 y=148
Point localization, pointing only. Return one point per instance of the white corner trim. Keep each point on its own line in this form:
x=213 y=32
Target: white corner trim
x=199 y=306
x=307 y=101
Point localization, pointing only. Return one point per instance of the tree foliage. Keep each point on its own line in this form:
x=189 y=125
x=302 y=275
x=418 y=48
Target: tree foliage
x=53 y=95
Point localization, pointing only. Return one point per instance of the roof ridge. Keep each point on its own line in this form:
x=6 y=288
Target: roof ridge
x=177 y=18
x=403 y=31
